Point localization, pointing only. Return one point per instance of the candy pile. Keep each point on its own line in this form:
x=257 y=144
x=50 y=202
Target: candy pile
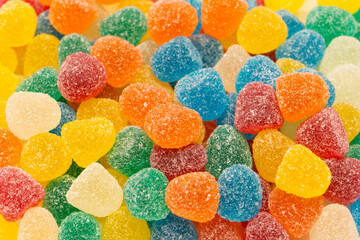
x=179 y=119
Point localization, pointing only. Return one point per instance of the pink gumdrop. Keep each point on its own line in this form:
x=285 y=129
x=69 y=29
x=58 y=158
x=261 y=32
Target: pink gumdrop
x=345 y=180
x=266 y=194
x=324 y=134
x=257 y=109
x=178 y=161
x=38 y=7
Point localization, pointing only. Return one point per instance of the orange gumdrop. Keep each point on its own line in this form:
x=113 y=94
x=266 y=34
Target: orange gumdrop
x=138 y=99
x=168 y=19
x=10 y=148
x=194 y=196
x=121 y=59
x=296 y=214
x=221 y=19
x=301 y=95
x=172 y=126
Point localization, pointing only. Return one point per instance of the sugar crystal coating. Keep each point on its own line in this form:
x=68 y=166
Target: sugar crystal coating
x=266 y=190
x=350 y=117
x=8 y=83
x=79 y=226
x=67 y=115
x=147 y=49
x=229 y=114
x=197 y=4
x=209 y=48
x=354 y=151
x=293 y=24
x=44 y=26
x=10 y=148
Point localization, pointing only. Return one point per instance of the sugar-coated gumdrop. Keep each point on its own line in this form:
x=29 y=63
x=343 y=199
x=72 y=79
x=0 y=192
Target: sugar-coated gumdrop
x=302 y=173
x=288 y=65
x=197 y=4
x=74 y=170
x=8 y=230
x=8 y=58
x=70 y=44
x=143 y=5
x=355 y=212
x=348 y=5
x=354 y=151
x=266 y=190
x=10 y=148
x=290 y=5
x=93 y=31
x=225 y=147
x=209 y=48
x=3 y=123
x=44 y=26
x=79 y=225
x=147 y=49
x=350 y=117
x=293 y=24
x=109 y=92
x=8 y=83
x=229 y=114
x=67 y=115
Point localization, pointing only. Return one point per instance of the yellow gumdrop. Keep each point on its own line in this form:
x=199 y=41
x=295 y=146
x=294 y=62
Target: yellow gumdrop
x=147 y=49
x=302 y=173
x=305 y=9
x=20 y=54
x=352 y=6
x=8 y=83
x=17 y=23
x=261 y=31
x=143 y=5
x=8 y=230
x=289 y=128
x=290 y=5
x=120 y=178
x=122 y=223
x=350 y=117
x=45 y=2
x=146 y=37
x=201 y=137
x=229 y=41
x=8 y=58
x=41 y=52
x=3 y=123
x=89 y=139
x=288 y=65
x=102 y=107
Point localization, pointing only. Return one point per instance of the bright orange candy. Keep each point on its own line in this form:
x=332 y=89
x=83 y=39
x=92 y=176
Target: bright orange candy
x=121 y=59
x=10 y=148
x=296 y=214
x=168 y=19
x=221 y=19
x=138 y=99
x=194 y=196
x=301 y=95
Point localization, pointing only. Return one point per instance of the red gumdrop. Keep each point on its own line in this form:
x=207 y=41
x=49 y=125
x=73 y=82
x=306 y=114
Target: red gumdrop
x=324 y=134
x=260 y=2
x=81 y=77
x=345 y=180
x=178 y=161
x=18 y=192
x=257 y=109
x=38 y=7
x=265 y=226
x=266 y=194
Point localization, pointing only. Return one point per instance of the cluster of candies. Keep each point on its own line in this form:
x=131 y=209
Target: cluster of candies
x=179 y=119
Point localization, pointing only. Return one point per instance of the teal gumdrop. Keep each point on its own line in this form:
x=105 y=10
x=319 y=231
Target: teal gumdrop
x=72 y=43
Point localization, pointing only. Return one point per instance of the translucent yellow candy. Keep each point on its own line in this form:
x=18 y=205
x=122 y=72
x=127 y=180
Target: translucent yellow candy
x=102 y=107
x=288 y=65
x=261 y=31
x=143 y=5
x=8 y=83
x=17 y=23
x=8 y=230
x=45 y=157
x=352 y=6
x=41 y=52
x=269 y=148
x=120 y=178
x=8 y=58
x=302 y=173
x=89 y=139
x=39 y=224
x=20 y=54
x=122 y=223
x=147 y=49
x=229 y=41
x=289 y=128
x=350 y=116
x=290 y=5
x=305 y=9
x=146 y=37
x=93 y=31
x=3 y=123
x=201 y=137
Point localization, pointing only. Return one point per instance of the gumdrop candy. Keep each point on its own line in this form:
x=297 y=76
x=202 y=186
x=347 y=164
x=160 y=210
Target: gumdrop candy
x=143 y=5
x=354 y=151
x=79 y=225
x=292 y=5
x=203 y=92
x=44 y=26
x=3 y=123
x=257 y=109
x=229 y=114
x=109 y=92
x=93 y=31
x=8 y=58
x=261 y=31
x=95 y=192
x=148 y=185
x=302 y=173
x=74 y=170
x=288 y=65
x=8 y=83
x=164 y=20
x=197 y=4
x=167 y=63
x=121 y=59
x=88 y=139
x=265 y=226
x=193 y=196
x=81 y=77
x=38 y=223
x=350 y=117
x=293 y=24
x=258 y=69
x=8 y=230
x=221 y=19
x=28 y=114
x=225 y=147
x=210 y=49
x=67 y=115
x=355 y=212
x=147 y=49
x=266 y=190
x=301 y=95
x=348 y=5
x=10 y=148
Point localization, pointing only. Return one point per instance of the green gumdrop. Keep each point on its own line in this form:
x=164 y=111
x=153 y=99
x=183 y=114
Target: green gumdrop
x=71 y=44
x=144 y=194
x=55 y=198
x=42 y=81
x=357 y=16
x=331 y=22
x=226 y=147
x=74 y=170
x=79 y=226
x=354 y=151
x=356 y=140
x=131 y=151
x=128 y=23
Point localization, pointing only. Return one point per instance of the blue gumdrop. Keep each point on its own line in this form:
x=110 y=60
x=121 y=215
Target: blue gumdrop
x=229 y=114
x=203 y=92
x=44 y=26
x=331 y=87
x=240 y=193
x=306 y=46
x=293 y=24
x=252 y=4
x=258 y=69
x=197 y=4
x=173 y=228
x=175 y=59
x=355 y=212
x=209 y=48
x=67 y=115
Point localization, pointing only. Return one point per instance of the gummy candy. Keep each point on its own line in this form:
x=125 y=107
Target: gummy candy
x=120 y=178
x=229 y=114
x=79 y=225
x=197 y=4
x=354 y=151
x=67 y=115
x=3 y=123
x=143 y=5
x=8 y=230
x=210 y=49
x=290 y=5
x=293 y=24
x=10 y=148
x=348 y=5
x=147 y=49
x=350 y=117
x=38 y=7
x=93 y=31
x=44 y=26
x=266 y=190
x=109 y=92
x=288 y=65
x=8 y=83
x=74 y=170
x=8 y=58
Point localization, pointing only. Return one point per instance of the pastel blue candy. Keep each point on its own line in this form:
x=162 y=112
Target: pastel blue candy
x=293 y=24
x=67 y=115
x=355 y=212
x=44 y=26
x=306 y=46
x=252 y=4
x=240 y=193
x=203 y=92
x=197 y=4
x=173 y=228
x=258 y=69
x=331 y=87
x=209 y=48
x=175 y=59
